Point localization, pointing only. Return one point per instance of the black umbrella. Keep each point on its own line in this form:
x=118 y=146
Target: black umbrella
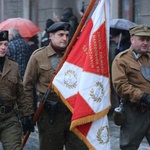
x=121 y=23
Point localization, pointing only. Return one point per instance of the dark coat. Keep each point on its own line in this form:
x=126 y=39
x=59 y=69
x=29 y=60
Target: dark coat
x=18 y=50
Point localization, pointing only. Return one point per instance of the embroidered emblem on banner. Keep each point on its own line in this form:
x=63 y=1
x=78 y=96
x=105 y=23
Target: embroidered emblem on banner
x=70 y=79
x=97 y=92
x=103 y=135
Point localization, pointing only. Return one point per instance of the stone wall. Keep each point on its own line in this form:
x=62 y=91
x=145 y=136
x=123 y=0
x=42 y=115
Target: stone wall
x=12 y=8
x=40 y=10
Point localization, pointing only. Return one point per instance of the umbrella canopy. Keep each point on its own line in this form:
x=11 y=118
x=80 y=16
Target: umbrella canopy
x=26 y=27
x=121 y=23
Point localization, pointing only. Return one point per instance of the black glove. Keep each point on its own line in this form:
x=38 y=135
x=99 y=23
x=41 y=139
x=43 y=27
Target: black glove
x=146 y=99
x=27 y=124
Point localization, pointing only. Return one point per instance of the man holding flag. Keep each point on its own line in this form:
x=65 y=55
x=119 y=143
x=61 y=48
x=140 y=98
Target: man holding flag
x=83 y=81
x=54 y=120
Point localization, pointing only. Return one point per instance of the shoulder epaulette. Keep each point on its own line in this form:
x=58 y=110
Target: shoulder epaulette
x=38 y=50
x=122 y=53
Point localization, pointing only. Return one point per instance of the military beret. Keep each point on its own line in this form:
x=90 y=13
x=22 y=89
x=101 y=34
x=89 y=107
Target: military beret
x=3 y=35
x=140 y=30
x=58 y=26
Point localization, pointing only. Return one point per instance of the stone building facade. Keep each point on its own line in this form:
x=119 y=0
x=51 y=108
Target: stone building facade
x=40 y=10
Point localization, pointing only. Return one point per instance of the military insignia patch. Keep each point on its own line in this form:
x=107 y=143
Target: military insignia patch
x=145 y=27
x=4 y=35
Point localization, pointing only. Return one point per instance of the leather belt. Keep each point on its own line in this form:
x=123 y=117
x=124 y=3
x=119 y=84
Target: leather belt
x=6 y=109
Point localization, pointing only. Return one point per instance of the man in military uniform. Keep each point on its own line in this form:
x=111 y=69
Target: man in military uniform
x=12 y=97
x=131 y=80
x=54 y=120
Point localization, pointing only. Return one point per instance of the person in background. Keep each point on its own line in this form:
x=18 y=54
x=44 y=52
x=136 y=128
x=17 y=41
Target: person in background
x=56 y=17
x=45 y=35
x=68 y=16
x=18 y=50
x=119 y=41
x=12 y=101
x=115 y=99
x=131 y=81
x=33 y=43
x=55 y=118
x=121 y=38
x=82 y=10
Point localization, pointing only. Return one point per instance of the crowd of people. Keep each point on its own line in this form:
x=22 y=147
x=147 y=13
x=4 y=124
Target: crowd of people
x=27 y=69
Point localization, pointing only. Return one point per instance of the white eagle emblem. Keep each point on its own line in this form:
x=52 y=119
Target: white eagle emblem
x=103 y=135
x=70 y=79
x=97 y=91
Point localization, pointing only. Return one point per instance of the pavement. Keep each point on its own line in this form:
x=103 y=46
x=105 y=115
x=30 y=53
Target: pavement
x=33 y=141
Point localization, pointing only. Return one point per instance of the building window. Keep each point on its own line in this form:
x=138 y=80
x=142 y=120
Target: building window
x=126 y=9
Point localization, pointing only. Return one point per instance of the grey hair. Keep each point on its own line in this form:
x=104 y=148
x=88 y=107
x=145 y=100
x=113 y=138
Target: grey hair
x=14 y=31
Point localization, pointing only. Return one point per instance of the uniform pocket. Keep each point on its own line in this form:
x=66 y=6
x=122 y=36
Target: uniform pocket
x=134 y=73
x=45 y=67
x=12 y=80
x=136 y=68
x=12 y=85
x=46 y=73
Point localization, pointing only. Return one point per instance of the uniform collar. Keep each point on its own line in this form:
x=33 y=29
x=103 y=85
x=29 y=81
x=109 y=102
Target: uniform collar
x=50 y=51
x=138 y=55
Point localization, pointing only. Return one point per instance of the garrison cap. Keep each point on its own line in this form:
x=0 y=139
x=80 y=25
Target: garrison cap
x=59 y=26
x=140 y=30
x=3 y=35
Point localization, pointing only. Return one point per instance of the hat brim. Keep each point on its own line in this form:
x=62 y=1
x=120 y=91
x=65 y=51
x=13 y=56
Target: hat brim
x=142 y=34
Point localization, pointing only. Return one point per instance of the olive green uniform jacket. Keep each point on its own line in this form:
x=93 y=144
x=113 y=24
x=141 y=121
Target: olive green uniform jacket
x=127 y=79
x=39 y=72
x=11 y=88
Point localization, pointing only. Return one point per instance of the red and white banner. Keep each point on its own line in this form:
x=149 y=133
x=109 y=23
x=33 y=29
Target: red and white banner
x=83 y=81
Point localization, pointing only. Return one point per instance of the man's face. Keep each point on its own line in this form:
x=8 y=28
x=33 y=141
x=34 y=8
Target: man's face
x=10 y=36
x=140 y=44
x=3 y=48
x=60 y=38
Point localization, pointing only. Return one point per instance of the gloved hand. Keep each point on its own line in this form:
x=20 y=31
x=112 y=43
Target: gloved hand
x=146 y=99
x=27 y=124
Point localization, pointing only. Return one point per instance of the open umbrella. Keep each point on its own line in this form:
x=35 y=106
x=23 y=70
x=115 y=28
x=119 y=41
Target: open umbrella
x=26 y=27
x=121 y=23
